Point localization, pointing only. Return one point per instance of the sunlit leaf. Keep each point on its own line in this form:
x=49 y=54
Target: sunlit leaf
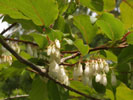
x=111 y=26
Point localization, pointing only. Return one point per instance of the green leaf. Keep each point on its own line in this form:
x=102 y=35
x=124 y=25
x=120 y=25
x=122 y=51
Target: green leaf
x=111 y=56
x=41 y=12
x=99 y=87
x=96 y=5
x=109 y=5
x=130 y=38
x=81 y=46
x=109 y=94
x=124 y=93
x=26 y=24
x=126 y=9
x=83 y=23
x=123 y=74
x=54 y=34
x=111 y=26
x=81 y=87
x=39 y=90
x=53 y=91
x=7 y=7
x=71 y=9
x=40 y=39
x=62 y=25
x=126 y=55
x=62 y=5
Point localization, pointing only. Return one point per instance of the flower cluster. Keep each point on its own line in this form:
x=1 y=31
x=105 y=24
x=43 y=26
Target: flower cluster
x=35 y=51
x=55 y=70
x=6 y=56
x=94 y=68
x=15 y=46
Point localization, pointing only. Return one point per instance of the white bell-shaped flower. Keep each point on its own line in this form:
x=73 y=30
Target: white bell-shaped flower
x=113 y=79
x=29 y=49
x=104 y=80
x=62 y=71
x=87 y=69
x=106 y=69
x=96 y=66
x=66 y=80
x=53 y=66
x=85 y=80
x=90 y=82
x=75 y=74
x=35 y=52
x=79 y=69
x=57 y=43
x=98 y=78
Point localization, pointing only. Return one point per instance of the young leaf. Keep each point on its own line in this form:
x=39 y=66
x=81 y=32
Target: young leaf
x=111 y=26
x=81 y=46
x=124 y=93
x=83 y=23
x=126 y=9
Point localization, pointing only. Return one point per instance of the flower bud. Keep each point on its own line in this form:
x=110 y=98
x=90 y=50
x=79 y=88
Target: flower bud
x=29 y=50
x=57 y=43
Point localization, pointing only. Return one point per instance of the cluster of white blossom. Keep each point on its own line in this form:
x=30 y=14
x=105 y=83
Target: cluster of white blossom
x=6 y=56
x=93 y=68
x=34 y=51
x=55 y=70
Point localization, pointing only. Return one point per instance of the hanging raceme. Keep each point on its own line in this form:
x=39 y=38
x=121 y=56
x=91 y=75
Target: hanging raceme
x=93 y=68
x=55 y=70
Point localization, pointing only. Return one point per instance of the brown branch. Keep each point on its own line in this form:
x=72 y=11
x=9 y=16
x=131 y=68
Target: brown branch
x=22 y=41
x=70 y=57
x=40 y=71
x=4 y=31
x=15 y=97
